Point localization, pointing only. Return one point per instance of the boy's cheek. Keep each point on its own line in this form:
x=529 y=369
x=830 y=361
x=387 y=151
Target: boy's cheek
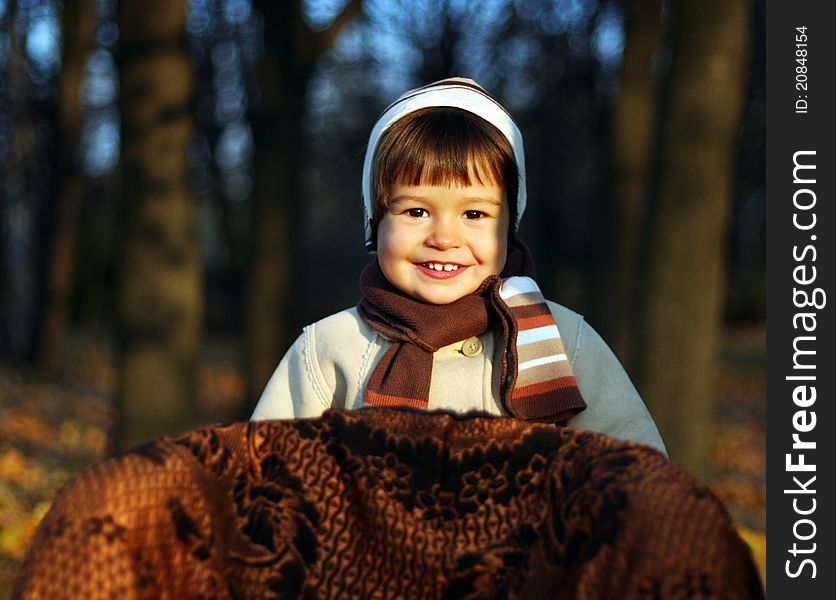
x=392 y=238
x=382 y=235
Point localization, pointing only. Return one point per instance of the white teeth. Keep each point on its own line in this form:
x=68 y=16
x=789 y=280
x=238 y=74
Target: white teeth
x=440 y=267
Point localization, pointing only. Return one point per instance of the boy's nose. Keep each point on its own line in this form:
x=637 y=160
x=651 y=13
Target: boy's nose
x=444 y=236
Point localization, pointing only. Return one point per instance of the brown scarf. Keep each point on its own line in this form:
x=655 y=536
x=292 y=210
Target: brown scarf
x=537 y=383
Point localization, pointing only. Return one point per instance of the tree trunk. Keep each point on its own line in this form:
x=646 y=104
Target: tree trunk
x=633 y=136
x=12 y=73
x=79 y=24
x=277 y=132
x=690 y=222
x=291 y=52
x=161 y=280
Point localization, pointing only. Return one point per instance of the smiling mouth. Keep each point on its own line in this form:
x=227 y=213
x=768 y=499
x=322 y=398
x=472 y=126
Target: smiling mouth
x=438 y=270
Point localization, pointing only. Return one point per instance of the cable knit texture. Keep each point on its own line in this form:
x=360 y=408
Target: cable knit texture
x=386 y=503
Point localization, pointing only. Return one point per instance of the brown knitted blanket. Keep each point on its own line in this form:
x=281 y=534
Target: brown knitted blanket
x=386 y=503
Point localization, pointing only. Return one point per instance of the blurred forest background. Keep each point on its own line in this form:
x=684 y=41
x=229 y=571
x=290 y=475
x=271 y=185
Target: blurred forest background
x=180 y=194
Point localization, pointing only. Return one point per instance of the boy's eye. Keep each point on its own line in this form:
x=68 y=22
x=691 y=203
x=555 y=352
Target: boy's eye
x=416 y=212
x=473 y=214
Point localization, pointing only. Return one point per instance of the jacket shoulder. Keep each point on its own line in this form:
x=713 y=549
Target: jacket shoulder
x=570 y=324
x=341 y=336
x=345 y=324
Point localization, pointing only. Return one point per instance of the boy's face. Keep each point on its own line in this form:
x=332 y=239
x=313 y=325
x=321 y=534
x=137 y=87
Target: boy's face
x=439 y=243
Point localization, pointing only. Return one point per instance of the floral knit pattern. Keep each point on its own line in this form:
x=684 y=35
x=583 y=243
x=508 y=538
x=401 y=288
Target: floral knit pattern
x=384 y=503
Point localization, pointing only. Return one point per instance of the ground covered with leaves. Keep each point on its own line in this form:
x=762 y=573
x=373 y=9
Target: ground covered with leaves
x=52 y=428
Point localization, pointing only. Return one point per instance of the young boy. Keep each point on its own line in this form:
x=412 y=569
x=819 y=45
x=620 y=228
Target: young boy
x=451 y=317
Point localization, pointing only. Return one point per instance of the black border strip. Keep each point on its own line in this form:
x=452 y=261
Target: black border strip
x=800 y=119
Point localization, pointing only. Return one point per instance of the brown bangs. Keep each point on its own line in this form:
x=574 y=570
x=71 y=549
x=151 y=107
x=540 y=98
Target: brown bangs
x=442 y=146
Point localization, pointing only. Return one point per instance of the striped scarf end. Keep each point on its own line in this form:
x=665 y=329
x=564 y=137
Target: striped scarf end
x=373 y=398
x=551 y=387
x=554 y=400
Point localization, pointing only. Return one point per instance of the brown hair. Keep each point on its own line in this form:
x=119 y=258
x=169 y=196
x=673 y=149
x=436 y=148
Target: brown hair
x=436 y=146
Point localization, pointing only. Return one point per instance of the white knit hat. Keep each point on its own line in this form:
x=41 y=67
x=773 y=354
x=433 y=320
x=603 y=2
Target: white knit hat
x=456 y=92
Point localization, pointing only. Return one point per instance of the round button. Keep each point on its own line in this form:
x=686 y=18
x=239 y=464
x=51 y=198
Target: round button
x=472 y=346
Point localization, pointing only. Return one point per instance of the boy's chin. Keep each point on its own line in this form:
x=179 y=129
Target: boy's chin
x=440 y=301
x=441 y=297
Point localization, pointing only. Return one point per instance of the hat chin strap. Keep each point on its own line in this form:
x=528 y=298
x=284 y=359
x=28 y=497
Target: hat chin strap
x=371 y=243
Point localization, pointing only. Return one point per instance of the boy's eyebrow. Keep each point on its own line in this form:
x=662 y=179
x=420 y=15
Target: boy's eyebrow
x=398 y=200
x=413 y=198
x=494 y=201
x=485 y=200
